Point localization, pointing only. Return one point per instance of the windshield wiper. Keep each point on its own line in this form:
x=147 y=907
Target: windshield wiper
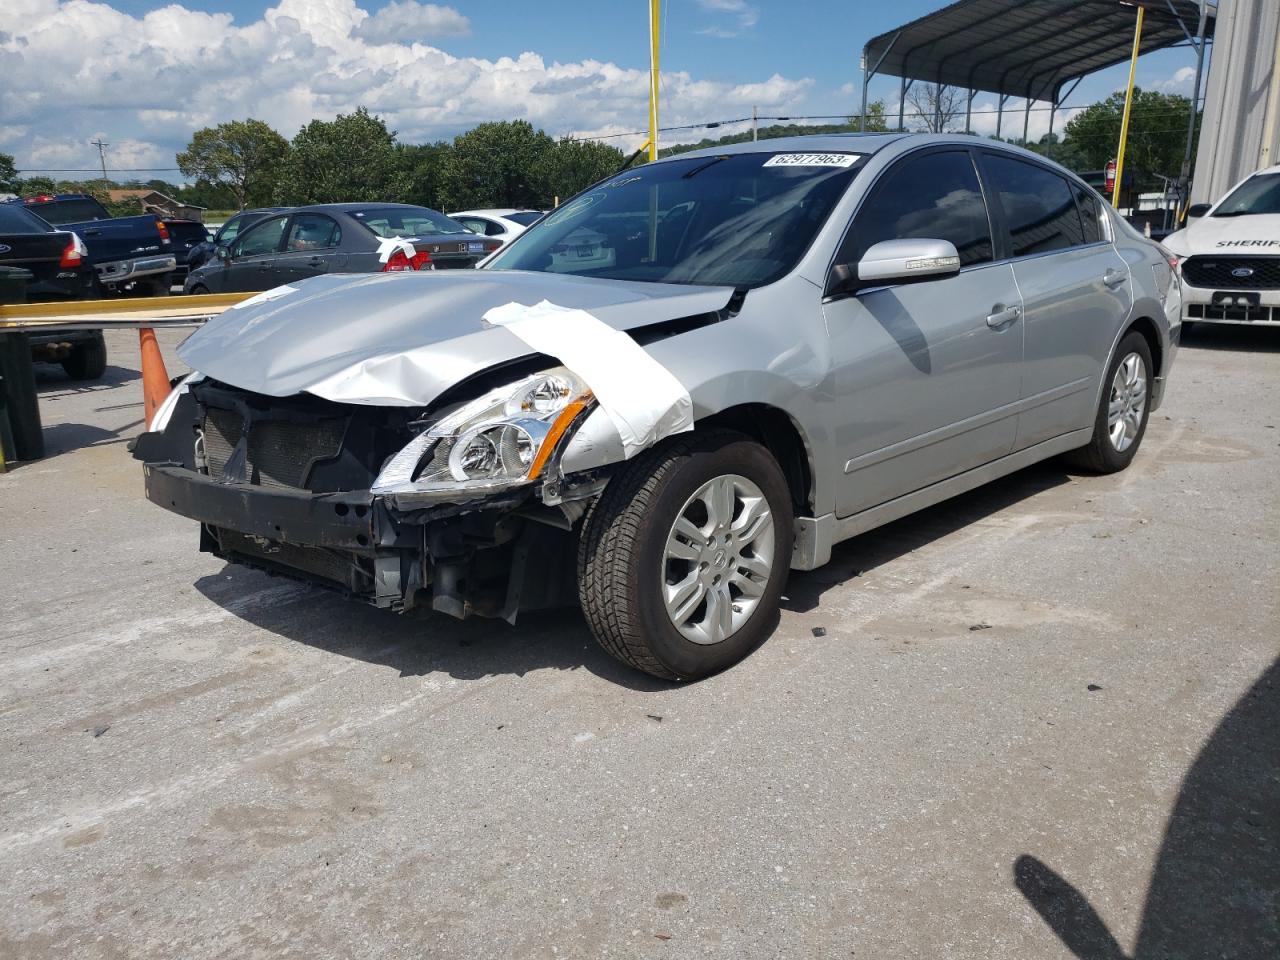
x=689 y=174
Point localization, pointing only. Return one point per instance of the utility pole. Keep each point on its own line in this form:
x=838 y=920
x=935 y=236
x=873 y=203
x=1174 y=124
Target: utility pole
x=755 y=125
x=102 y=154
x=654 y=11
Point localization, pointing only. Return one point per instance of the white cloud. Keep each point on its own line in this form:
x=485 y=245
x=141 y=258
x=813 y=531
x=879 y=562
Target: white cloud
x=743 y=16
x=146 y=83
x=1180 y=82
x=409 y=20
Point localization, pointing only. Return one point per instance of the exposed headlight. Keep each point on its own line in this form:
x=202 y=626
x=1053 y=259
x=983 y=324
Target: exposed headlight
x=498 y=441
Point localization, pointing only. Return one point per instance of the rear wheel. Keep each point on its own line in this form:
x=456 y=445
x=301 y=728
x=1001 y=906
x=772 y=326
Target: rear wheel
x=1121 y=419
x=684 y=556
x=88 y=359
x=199 y=289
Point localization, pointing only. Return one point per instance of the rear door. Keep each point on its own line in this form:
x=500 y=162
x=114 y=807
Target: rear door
x=1075 y=289
x=927 y=374
x=253 y=256
x=311 y=247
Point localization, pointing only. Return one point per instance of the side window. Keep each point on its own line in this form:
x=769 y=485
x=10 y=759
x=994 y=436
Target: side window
x=936 y=196
x=261 y=238
x=229 y=230
x=312 y=231
x=1038 y=206
x=474 y=224
x=1090 y=215
x=492 y=229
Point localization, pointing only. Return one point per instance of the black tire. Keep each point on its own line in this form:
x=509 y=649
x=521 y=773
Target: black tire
x=198 y=289
x=88 y=360
x=621 y=554
x=1100 y=455
x=162 y=287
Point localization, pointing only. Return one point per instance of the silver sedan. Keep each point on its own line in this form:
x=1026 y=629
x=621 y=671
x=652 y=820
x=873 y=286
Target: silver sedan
x=687 y=380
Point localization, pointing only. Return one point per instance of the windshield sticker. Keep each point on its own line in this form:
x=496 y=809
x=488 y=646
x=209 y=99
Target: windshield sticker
x=572 y=209
x=812 y=160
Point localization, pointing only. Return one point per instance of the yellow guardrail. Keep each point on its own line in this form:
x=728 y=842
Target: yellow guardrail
x=127 y=313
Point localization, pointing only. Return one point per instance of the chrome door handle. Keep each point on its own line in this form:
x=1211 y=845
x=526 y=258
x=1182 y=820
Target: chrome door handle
x=1113 y=278
x=1002 y=315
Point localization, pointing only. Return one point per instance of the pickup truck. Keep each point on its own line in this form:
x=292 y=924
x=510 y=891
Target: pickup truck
x=55 y=261
x=125 y=252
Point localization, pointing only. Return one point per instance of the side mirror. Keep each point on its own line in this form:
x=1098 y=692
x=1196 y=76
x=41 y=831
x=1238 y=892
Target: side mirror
x=897 y=261
x=222 y=253
x=1198 y=210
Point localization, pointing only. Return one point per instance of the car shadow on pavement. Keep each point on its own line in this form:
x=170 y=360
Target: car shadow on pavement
x=1233 y=337
x=419 y=642
x=51 y=381
x=854 y=557
x=1215 y=889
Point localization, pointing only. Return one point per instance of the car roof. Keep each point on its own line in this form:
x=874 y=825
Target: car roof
x=367 y=205
x=493 y=212
x=820 y=142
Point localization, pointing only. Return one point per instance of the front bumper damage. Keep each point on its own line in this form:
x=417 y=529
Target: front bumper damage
x=493 y=557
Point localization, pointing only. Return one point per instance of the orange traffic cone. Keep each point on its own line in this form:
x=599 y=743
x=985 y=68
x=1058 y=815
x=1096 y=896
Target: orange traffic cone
x=155 y=379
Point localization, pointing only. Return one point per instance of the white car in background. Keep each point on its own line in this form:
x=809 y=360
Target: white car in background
x=504 y=224
x=1230 y=255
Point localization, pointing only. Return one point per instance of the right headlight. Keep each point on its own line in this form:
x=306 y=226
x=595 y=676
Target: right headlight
x=498 y=441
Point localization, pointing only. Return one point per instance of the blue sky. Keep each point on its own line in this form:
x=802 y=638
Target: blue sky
x=434 y=69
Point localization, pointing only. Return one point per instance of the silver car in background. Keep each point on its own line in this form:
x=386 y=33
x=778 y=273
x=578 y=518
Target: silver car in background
x=687 y=380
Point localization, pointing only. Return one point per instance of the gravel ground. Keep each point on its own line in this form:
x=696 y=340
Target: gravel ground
x=1039 y=720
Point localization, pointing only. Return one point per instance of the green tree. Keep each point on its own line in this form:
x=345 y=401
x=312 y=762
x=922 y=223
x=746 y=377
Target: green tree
x=8 y=174
x=244 y=156
x=29 y=186
x=417 y=178
x=1157 y=134
x=496 y=165
x=572 y=165
x=1068 y=153
x=349 y=158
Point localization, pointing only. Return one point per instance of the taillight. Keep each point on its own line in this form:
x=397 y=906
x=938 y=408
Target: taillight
x=164 y=230
x=1172 y=258
x=73 y=253
x=398 y=261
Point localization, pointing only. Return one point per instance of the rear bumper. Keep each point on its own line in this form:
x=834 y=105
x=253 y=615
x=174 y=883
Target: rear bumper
x=120 y=271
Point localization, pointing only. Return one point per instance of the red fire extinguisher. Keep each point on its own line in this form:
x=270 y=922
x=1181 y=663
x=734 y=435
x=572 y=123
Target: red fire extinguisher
x=1110 y=177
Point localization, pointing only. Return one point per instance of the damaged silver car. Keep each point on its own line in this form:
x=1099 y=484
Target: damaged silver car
x=687 y=380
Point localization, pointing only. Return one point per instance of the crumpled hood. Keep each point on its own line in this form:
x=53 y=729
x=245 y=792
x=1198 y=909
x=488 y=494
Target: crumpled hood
x=402 y=339
x=1256 y=235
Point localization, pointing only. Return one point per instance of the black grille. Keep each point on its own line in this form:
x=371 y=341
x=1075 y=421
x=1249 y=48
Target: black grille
x=1219 y=273
x=316 y=561
x=280 y=453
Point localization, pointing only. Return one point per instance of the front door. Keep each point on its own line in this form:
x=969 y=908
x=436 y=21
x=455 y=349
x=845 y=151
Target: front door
x=310 y=248
x=253 y=255
x=926 y=376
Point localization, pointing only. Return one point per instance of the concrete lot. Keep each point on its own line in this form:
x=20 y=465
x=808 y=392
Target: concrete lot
x=1052 y=703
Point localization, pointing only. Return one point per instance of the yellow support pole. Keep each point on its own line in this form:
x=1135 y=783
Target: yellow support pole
x=654 y=8
x=1128 y=106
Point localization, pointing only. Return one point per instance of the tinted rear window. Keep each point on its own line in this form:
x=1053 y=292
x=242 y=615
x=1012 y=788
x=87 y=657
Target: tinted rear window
x=70 y=211
x=1038 y=206
x=15 y=219
x=1090 y=215
x=406 y=221
x=524 y=217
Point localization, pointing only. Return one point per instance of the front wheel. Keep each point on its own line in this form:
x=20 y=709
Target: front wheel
x=684 y=556
x=1121 y=419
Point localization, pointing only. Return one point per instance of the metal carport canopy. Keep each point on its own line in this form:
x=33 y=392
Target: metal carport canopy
x=1026 y=48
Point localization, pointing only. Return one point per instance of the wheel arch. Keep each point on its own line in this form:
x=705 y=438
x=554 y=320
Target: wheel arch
x=775 y=430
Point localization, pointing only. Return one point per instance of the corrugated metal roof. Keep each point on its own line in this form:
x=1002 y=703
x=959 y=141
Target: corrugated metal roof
x=1025 y=48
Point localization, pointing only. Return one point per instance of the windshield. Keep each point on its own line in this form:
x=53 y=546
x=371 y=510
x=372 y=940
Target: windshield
x=1260 y=194
x=14 y=219
x=407 y=221
x=740 y=220
x=70 y=211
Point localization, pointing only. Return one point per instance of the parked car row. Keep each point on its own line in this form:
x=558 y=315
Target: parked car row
x=283 y=246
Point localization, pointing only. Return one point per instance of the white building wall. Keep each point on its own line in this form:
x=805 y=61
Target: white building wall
x=1242 y=100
